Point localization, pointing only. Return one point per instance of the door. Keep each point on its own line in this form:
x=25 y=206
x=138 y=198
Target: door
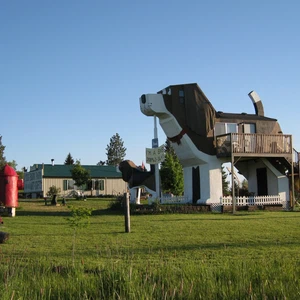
x=249 y=140
x=196 y=184
x=262 y=182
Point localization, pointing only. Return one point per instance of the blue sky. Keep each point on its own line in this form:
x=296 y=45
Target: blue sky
x=72 y=72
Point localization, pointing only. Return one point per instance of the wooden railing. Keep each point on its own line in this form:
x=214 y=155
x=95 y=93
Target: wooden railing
x=248 y=143
x=296 y=157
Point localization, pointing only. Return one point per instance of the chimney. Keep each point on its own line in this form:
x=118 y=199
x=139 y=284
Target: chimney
x=52 y=161
x=258 y=106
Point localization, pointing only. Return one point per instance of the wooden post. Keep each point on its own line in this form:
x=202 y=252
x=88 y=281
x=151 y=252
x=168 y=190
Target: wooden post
x=293 y=189
x=292 y=200
x=127 y=212
x=298 y=172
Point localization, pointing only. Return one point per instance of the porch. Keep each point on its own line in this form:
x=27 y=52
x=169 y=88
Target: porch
x=254 y=145
x=276 y=148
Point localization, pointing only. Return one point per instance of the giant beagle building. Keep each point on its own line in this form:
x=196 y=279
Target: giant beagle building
x=204 y=139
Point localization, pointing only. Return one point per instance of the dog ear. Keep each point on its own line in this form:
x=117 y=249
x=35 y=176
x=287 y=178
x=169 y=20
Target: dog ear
x=126 y=170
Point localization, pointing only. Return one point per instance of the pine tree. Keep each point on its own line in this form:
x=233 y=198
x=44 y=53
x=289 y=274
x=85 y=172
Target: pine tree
x=169 y=148
x=2 y=157
x=115 y=150
x=171 y=172
x=225 y=183
x=69 y=160
x=244 y=188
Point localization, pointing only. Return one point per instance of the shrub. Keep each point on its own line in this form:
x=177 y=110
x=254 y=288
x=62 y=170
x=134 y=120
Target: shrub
x=53 y=190
x=156 y=205
x=117 y=204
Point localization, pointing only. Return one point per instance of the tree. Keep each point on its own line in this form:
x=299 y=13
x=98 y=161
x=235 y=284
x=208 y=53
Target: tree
x=225 y=183
x=53 y=190
x=69 y=160
x=80 y=175
x=245 y=184
x=237 y=187
x=2 y=157
x=13 y=164
x=244 y=188
x=169 y=148
x=115 y=150
x=101 y=163
x=171 y=172
x=80 y=218
x=20 y=174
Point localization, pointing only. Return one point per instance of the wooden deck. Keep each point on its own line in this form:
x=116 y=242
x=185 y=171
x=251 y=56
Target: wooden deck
x=254 y=145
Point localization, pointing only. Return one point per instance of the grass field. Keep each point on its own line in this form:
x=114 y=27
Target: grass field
x=251 y=255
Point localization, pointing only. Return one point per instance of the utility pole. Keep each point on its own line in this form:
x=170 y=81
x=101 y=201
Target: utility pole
x=155 y=145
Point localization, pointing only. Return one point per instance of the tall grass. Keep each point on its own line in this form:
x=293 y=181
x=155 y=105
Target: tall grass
x=272 y=279
x=198 y=256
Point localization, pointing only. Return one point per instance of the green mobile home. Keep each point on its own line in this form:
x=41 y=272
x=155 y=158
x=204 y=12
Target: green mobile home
x=105 y=180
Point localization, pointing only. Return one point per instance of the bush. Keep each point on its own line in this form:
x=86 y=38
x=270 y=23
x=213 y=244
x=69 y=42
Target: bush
x=156 y=205
x=53 y=190
x=116 y=204
x=158 y=208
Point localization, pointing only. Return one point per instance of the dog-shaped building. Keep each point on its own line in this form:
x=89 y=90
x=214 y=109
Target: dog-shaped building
x=204 y=139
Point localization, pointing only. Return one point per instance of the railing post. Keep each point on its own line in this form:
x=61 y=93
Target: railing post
x=292 y=183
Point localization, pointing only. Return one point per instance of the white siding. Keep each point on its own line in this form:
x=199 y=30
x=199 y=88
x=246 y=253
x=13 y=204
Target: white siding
x=112 y=186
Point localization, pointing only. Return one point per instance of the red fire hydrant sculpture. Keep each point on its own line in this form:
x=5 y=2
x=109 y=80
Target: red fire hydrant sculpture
x=9 y=190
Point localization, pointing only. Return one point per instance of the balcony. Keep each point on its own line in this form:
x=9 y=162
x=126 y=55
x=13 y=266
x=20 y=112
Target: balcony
x=254 y=145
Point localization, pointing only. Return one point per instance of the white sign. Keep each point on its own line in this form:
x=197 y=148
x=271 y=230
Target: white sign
x=155 y=155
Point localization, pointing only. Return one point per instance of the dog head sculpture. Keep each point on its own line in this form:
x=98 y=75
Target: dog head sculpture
x=196 y=116
x=135 y=177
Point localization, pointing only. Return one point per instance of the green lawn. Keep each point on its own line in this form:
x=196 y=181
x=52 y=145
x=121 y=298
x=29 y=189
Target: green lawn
x=251 y=255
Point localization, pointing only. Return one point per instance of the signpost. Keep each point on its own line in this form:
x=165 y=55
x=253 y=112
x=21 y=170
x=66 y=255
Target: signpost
x=155 y=143
x=154 y=156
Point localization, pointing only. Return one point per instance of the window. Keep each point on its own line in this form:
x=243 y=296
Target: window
x=71 y=184
x=181 y=96
x=224 y=128
x=249 y=128
x=68 y=185
x=99 y=184
x=90 y=185
x=65 y=185
x=231 y=128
